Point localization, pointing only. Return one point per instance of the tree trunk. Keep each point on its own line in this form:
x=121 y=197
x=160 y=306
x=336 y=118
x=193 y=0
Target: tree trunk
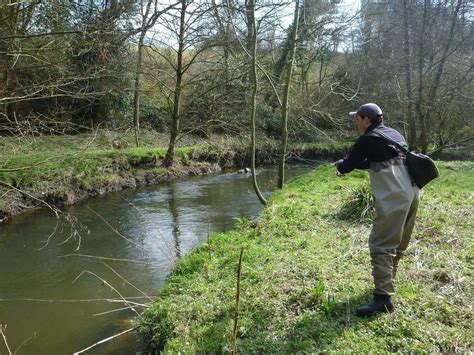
x=439 y=72
x=136 y=95
x=408 y=71
x=176 y=125
x=419 y=101
x=284 y=109
x=250 y=7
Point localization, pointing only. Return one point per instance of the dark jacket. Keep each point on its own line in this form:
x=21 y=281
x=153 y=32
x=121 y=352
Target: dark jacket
x=370 y=148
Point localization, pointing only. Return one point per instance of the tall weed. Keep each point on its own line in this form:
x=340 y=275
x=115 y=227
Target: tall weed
x=359 y=206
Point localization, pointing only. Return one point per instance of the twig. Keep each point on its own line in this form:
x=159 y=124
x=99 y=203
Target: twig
x=135 y=243
x=133 y=206
x=5 y=338
x=105 y=282
x=46 y=242
x=111 y=259
x=116 y=231
x=118 y=309
x=170 y=250
x=237 y=304
x=55 y=210
x=209 y=238
x=128 y=282
x=10 y=170
x=74 y=233
x=61 y=157
x=24 y=342
x=111 y=300
x=104 y=341
x=275 y=91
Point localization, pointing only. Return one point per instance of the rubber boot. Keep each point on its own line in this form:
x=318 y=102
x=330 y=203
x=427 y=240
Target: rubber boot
x=379 y=304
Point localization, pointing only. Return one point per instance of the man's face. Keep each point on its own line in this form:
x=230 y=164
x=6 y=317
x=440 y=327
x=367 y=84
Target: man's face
x=362 y=123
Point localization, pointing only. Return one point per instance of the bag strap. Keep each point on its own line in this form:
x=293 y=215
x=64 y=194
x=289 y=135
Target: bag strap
x=387 y=138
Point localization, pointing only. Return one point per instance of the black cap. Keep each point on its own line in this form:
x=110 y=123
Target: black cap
x=371 y=110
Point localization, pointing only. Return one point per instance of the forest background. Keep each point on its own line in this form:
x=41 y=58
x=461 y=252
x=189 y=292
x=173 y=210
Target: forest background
x=68 y=67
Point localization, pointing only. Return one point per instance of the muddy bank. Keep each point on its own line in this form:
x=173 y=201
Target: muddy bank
x=65 y=187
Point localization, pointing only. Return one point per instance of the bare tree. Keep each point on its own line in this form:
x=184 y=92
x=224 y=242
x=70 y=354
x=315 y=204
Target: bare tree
x=252 y=47
x=284 y=108
x=179 y=47
x=408 y=76
x=416 y=82
x=148 y=20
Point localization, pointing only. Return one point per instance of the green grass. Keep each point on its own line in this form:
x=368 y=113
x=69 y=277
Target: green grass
x=102 y=139
x=305 y=270
x=47 y=165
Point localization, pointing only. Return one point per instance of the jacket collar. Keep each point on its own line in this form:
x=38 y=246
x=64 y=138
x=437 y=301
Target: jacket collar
x=373 y=126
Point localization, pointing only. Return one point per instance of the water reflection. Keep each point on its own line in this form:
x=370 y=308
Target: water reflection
x=173 y=207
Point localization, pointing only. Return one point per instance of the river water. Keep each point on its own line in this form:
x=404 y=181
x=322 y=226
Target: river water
x=54 y=289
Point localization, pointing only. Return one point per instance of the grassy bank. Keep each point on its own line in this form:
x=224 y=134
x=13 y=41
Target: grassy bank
x=61 y=170
x=306 y=269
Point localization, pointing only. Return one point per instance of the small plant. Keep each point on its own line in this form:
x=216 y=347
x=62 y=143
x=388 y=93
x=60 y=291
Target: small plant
x=359 y=206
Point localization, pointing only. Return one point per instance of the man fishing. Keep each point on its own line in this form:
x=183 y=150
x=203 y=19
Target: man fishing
x=396 y=200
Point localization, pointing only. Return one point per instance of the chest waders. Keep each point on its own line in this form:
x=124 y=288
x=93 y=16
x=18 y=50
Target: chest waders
x=396 y=204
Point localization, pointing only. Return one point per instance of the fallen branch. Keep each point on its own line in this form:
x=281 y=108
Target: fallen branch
x=10 y=170
x=103 y=341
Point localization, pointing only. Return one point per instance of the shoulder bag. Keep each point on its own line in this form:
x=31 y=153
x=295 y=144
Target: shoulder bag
x=422 y=168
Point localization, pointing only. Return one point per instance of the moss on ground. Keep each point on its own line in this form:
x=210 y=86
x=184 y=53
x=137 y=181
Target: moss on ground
x=306 y=269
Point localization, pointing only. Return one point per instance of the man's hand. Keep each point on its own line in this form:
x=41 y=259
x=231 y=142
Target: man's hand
x=336 y=164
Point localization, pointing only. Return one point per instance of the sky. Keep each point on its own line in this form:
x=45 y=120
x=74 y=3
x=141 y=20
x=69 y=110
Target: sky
x=352 y=5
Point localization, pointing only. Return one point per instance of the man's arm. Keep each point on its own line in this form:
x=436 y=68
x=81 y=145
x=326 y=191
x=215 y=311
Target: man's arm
x=356 y=160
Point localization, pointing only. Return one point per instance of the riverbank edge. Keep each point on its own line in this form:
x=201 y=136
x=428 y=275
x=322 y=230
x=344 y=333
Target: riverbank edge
x=305 y=270
x=117 y=169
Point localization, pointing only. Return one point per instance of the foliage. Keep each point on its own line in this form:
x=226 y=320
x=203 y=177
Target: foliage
x=305 y=272
x=63 y=63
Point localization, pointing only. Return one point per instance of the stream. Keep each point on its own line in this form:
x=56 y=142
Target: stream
x=62 y=281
